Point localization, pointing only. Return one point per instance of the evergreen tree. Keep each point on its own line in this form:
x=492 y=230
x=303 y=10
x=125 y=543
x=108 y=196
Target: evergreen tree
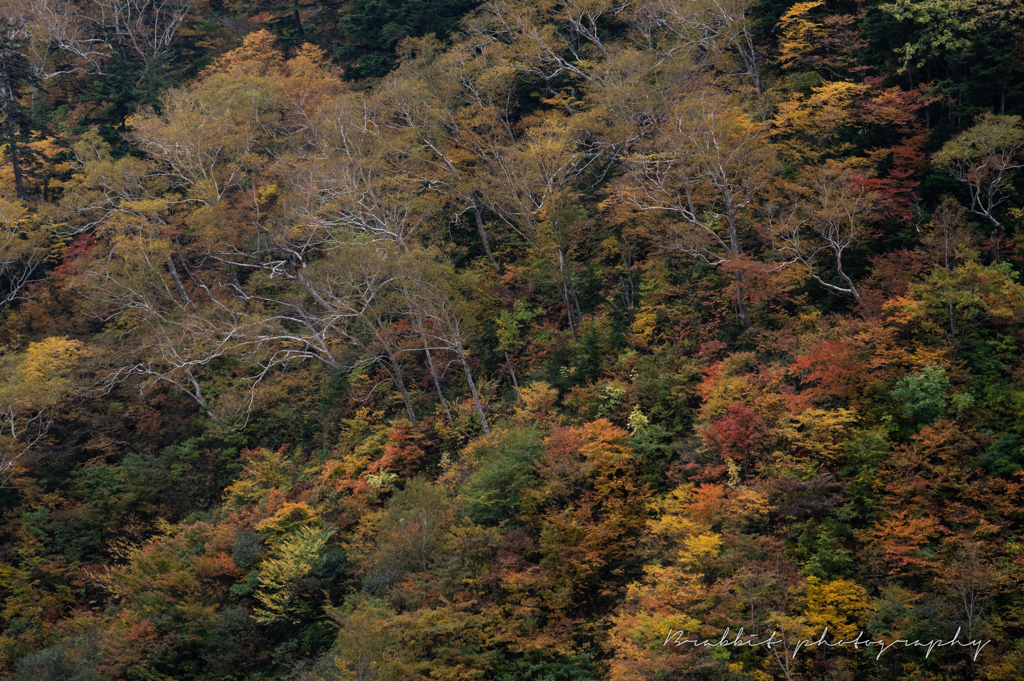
x=15 y=78
x=374 y=28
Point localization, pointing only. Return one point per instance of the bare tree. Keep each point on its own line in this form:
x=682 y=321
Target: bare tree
x=23 y=249
x=707 y=168
x=530 y=176
x=34 y=386
x=434 y=303
x=828 y=210
x=984 y=158
x=705 y=26
x=96 y=32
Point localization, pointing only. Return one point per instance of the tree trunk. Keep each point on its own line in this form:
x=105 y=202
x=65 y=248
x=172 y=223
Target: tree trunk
x=197 y=395
x=564 y=292
x=483 y=236
x=396 y=376
x=734 y=243
x=741 y=305
x=12 y=141
x=185 y=299
x=515 y=383
x=473 y=391
x=567 y=275
x=433 y=375
x=997 y=230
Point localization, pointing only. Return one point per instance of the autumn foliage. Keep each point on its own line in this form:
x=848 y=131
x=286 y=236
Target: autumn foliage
x=395 y=341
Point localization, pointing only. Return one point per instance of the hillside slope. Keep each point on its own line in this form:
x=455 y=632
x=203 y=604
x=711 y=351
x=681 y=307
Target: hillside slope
x=405 y=340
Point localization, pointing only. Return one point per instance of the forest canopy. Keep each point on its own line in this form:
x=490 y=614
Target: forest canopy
x=404 y=340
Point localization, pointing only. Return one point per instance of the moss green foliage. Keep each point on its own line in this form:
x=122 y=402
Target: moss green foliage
x=506 y=469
